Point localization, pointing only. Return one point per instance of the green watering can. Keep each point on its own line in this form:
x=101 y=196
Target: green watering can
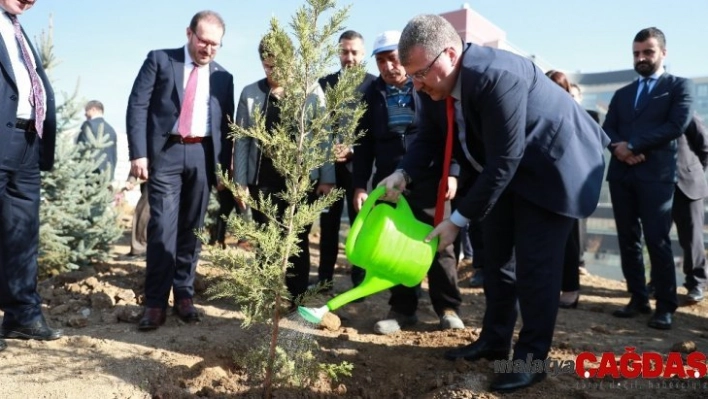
x=388 y=241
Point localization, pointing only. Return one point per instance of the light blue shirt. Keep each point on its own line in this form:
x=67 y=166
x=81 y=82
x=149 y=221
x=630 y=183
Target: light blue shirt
x=651 y=82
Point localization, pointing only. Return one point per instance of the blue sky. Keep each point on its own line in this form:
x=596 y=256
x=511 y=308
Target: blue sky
x=104 y=42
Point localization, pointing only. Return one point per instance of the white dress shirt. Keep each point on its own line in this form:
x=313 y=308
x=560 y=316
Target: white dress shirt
x=201 y=123
x=24 y=85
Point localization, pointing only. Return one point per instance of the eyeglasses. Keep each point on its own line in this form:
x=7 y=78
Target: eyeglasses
x=205 y=43
x=420 y=75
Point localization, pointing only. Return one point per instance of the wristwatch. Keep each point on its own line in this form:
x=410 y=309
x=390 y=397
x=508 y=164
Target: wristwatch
x=406 y=176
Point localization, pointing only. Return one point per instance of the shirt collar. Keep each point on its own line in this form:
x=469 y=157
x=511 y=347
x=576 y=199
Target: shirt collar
x=405 y=89
x=457 y=88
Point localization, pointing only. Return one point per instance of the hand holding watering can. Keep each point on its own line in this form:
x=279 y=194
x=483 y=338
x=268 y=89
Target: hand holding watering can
x=445 y=231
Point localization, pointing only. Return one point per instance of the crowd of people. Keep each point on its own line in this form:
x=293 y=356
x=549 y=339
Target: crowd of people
x=501 y=150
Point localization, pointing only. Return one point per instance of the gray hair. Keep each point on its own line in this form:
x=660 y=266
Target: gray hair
x=431 y=32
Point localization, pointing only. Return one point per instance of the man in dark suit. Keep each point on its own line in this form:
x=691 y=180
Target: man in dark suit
x=28 y=135
x=644 y=120
x=688 y=208
x=95 y=125
x=351 y=53
x=541 y=162
x=177 y=123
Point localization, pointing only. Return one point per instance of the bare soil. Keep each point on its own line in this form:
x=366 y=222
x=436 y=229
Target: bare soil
x=103 y=355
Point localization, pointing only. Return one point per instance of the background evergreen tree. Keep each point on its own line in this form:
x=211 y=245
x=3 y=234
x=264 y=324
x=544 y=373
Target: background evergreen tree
x=77 y=220
x=299 y=143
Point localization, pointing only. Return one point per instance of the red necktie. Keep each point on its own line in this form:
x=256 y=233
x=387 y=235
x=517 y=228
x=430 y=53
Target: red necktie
x=442 y=188
x=184 y=127
x=36 y=98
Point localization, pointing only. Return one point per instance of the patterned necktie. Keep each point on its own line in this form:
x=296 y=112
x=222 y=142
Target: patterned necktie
x=37 y=97
x=184 y=127
x=644 y=94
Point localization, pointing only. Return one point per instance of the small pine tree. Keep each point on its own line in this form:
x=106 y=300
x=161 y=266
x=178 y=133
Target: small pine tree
x=77 y=220
x=299 y=143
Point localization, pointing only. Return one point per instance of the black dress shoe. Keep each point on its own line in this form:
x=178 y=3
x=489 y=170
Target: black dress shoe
x=632 y=309
x=478 y=350
x=3 y=345
x=38 y=330
x=184 y=308
x=152 y=319
x=660 y=321
x=508 y=382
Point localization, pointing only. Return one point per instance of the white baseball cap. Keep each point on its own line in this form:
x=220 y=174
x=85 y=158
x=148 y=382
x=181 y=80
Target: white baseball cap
x=387 y=41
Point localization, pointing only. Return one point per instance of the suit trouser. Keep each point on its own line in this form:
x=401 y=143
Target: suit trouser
x=297 y=276
x=178 y=193
x=688 y=216
x=521 y=234
x=19 y=227
x=645 y=207
x=329 y=228
x=227 y=204
x=571 y=262
x=442 y=280
x=141 y=217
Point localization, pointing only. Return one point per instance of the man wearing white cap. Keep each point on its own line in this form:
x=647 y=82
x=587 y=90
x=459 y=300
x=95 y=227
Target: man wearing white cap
x=391 y=124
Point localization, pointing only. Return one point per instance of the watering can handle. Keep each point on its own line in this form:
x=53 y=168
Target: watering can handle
x=364 y=212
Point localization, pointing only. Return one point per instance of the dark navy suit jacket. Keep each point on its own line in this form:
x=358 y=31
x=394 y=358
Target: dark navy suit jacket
x=693 y=160
x=8 y=111
x=529 y=134
x=109 y=153
x=155 y=102
x=652 y=130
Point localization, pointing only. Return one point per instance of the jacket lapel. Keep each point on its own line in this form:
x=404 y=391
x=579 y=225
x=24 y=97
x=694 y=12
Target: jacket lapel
x=178 y=70
x=655 y=91
x=214 y=109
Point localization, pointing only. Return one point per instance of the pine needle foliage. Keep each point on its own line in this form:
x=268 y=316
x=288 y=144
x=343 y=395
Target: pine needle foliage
x=301 y=142
x=78 y=223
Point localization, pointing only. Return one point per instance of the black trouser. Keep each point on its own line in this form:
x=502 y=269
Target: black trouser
x=19 y=227
x=645 y=207
x=524 y=262
x=442 y=280
x=571 y=262
x=296 y=278
x=330 y=222
x=688 y=216
x=178 y=193
x=227 y=204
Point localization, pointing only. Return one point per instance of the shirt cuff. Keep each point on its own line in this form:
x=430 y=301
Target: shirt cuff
x=458 y=220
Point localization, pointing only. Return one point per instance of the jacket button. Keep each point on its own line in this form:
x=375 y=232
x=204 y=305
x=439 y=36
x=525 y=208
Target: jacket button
x=9 y=124
x=13 y=97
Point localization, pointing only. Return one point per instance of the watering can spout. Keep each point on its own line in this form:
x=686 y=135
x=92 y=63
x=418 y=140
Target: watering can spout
x=371 y=285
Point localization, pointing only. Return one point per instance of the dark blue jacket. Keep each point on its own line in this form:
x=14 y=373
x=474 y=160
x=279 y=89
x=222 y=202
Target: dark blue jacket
x=652 y=130
x=379 y=145
x=530 y=136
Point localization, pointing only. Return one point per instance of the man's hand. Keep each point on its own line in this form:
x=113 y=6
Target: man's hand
x=360 y=195
x=451 y=188
x=139 y=168
x=635 y=159
x=324 y=188
x=395 y=184
x=447 y=233
x=621 y=151
x=343 y=153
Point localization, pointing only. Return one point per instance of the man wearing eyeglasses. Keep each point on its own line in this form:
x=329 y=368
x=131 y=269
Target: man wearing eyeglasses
x=177 y=123
x=542 y=159
x=390 y=125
